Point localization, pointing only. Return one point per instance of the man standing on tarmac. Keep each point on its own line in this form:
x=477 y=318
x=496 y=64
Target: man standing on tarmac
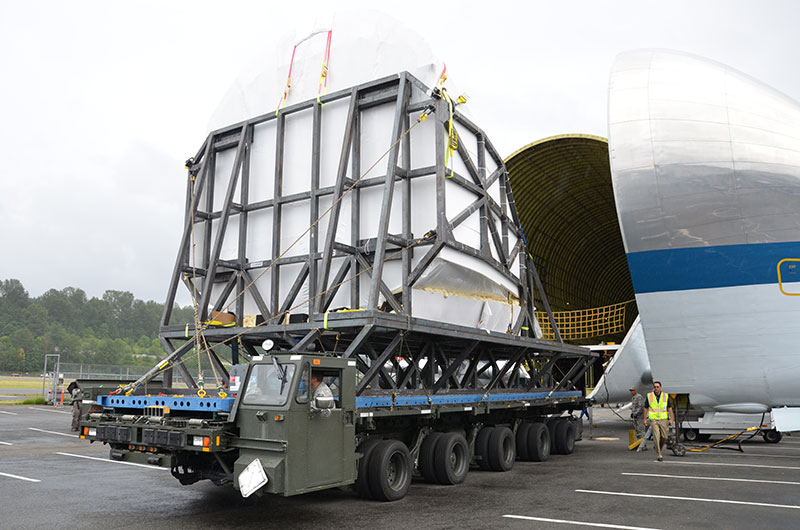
x=658 y=414
x=637 y=413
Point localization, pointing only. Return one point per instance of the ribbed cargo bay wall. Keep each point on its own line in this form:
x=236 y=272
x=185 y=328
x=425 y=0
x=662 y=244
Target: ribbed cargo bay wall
x=564 y=196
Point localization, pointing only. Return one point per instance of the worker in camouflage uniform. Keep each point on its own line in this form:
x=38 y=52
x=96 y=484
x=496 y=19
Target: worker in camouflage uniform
x=637 y=413
x=75 y=392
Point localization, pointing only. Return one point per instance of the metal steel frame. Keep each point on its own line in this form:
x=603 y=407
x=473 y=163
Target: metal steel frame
x=388 y=344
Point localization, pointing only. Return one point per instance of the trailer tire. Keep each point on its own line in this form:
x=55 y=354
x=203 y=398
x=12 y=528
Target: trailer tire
x=691 y=435
x=538 y=442
x=362 y=480
x=427 y=456
x=565 y=437
x=482 y=447
x=553 y=426
x=451 y=459
x=389 y=471
x=523 y=441
x=772 y=436
x=502 y=449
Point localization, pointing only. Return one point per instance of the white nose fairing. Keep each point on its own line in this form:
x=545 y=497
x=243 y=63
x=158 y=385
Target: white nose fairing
x=706 y=172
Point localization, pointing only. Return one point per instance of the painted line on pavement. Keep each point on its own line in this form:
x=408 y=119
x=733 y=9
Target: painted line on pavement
x=11 y=413
x=53 y=432
x=695 y=499
x=9 y=475
x=581 y=523
x=49 y=410
x=763 y=466
x=768 y=448
x=736 y=453
x=114 y=461
x=6 y=443
x=692 y=477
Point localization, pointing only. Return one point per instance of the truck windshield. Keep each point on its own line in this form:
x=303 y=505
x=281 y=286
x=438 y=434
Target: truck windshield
x=269 y=384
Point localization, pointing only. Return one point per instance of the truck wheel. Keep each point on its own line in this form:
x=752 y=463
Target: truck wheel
x=538 y=442
x=451 y=459
x=501 y=451
x=553 y=428
x=482 y=447
x=389 y=471
x=362 y=481
x=565 y=437
x=523 y=441
x=690 y=435
x=427 y=457
x=772 y=436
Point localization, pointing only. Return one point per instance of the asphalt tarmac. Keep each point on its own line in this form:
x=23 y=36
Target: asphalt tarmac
x=51 y=479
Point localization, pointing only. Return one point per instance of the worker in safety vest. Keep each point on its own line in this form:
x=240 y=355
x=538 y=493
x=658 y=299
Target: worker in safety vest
x=658 y=416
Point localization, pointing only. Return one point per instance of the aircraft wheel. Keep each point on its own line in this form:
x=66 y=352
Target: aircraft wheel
x=389 y=471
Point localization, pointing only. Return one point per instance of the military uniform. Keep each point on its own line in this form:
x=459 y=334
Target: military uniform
x=637 y=414
x=76 y=409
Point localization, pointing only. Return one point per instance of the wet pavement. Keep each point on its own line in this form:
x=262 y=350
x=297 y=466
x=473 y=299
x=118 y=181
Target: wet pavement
x=50 y=478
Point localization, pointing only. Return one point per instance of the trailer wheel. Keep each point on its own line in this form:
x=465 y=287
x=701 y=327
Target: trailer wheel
x=451 y=459
x=565 y=437
x=482 y=447
x=427 y=457
x=362 y=481
x=523 y=441
x=389 y=471
x=538 y=442
x=553 y=426
x=772 y=436
x=690 y=435
x=502 y=451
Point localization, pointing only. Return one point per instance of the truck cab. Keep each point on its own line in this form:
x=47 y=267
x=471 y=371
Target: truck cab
x=301 y=443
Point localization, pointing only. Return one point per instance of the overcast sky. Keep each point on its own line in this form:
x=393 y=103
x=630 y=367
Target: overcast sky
x=101 y=102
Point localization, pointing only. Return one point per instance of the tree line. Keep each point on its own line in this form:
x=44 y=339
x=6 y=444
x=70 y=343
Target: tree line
x=114 y=329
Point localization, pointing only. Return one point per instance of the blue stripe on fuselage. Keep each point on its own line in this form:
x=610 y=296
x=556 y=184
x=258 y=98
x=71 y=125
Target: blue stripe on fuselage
x=681 y=269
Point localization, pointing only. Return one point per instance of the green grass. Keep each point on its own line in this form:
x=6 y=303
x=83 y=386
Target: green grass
x=20 y=382
x=38 y=400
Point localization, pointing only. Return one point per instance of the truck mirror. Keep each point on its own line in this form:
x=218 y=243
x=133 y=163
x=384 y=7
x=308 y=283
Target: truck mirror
x=323 y=402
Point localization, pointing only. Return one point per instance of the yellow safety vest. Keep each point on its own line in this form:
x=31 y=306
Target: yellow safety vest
x=657 y=407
